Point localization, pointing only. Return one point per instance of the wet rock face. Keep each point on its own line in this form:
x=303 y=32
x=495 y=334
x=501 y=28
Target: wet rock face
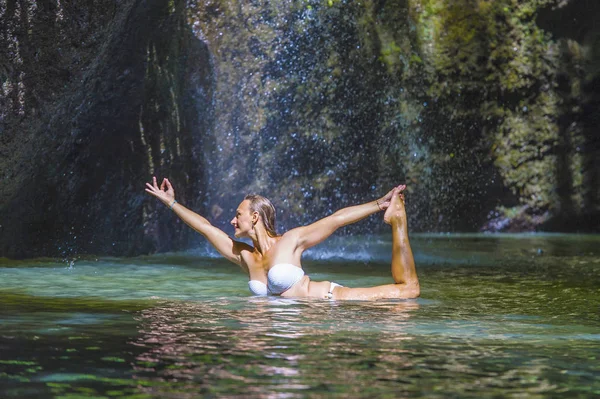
x=320 y=105
x=101 y=98
x=572 y=25
x=475 y=106
x=487 y=111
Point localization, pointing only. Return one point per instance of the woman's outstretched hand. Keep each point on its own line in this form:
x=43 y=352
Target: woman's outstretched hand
x=384 y=202
x=165 y=193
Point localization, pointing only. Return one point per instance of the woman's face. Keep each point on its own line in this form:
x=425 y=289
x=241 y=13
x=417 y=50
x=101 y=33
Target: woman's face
x=242 y=222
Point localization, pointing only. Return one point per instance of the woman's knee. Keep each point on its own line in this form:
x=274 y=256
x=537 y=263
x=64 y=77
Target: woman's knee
x=408 y=291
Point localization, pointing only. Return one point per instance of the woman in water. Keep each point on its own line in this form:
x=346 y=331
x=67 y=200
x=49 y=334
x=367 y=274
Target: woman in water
x=273 y=261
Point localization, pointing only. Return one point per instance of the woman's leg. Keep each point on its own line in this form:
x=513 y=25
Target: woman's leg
x=403 y=264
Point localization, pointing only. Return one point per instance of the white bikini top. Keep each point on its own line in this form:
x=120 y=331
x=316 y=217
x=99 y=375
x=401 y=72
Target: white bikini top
x=282 y=277
x=258 y=287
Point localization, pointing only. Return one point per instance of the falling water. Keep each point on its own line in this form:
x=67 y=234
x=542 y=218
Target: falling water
x=322 y=105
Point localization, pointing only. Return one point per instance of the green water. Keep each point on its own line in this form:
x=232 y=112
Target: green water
x=499 y=316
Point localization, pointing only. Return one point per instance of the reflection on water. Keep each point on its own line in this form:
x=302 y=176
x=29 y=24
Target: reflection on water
x=499 y=316
x=268 y=344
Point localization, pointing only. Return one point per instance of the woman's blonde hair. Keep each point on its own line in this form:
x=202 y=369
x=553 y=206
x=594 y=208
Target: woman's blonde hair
x=266 y=211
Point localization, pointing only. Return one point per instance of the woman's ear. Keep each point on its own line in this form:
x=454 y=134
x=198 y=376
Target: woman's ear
x=254 y=217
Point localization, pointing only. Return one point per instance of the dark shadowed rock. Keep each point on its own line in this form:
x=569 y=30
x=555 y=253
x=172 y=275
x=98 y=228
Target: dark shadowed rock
x=137 y=89
x=488 y=111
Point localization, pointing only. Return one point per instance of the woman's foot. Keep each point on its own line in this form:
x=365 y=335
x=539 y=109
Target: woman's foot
x=396 y=211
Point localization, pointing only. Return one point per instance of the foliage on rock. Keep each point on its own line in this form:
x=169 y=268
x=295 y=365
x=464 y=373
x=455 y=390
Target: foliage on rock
x=488 y=109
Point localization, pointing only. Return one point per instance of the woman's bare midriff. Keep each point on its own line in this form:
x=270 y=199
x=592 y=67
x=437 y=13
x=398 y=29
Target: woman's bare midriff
x=308 y=289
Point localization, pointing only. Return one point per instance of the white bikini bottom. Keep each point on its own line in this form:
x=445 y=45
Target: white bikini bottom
x=332 y=285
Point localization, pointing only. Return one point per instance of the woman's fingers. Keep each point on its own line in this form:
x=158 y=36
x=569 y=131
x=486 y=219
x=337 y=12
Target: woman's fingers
x=151 y=192
x=164 y=186
x=170 y=191
x=400 y=188
x=154 y=189
x=387 y=197
x=164 y=192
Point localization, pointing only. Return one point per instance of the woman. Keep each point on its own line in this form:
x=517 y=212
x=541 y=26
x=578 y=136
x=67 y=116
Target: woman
x=273 y=261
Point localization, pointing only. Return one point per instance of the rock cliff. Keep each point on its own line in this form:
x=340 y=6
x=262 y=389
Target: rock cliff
x=488 y=110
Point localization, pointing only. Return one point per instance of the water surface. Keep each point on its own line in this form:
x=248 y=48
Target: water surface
x=498 y=316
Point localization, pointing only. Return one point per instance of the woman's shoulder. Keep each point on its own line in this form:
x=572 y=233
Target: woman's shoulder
x=289 y=240
x=291 y=234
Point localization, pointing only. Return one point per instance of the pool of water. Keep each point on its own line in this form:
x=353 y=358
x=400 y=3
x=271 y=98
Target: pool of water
x=503 y=316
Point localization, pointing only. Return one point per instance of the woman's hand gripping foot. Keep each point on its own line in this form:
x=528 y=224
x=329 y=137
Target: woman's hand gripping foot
x=396 y=211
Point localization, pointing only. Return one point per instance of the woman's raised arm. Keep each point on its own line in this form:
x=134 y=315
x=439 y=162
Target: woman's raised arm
x=226 y=246
x=315 y=233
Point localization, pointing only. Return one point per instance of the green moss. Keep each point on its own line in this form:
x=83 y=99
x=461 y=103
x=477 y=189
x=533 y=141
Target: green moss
x=113 y=359
x=17 y=362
